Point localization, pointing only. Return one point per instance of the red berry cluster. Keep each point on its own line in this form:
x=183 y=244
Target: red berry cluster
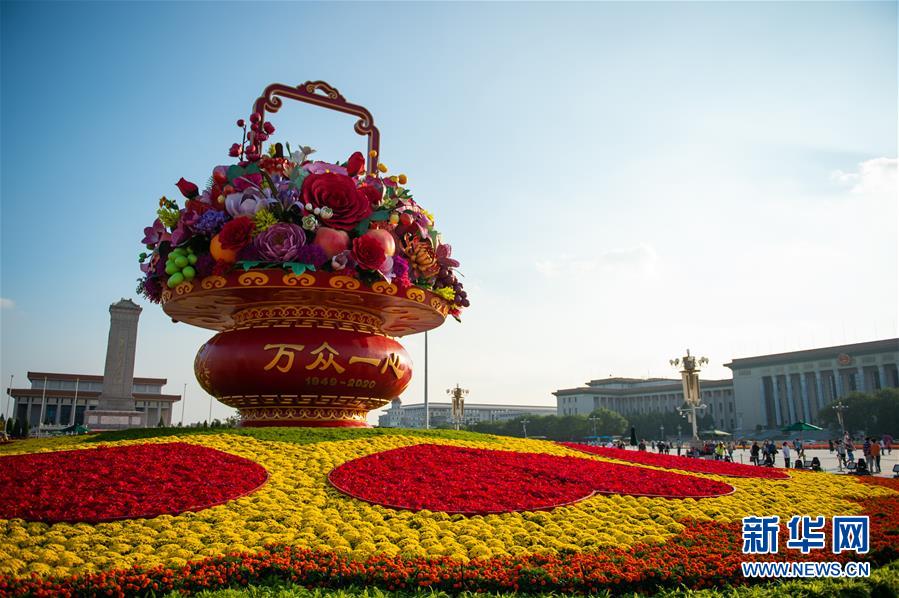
x=250 y=148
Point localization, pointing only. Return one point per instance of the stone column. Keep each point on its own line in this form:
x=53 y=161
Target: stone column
x=790 y=406
x=806 y=400
x=819 y=389
x=777 y=406
x=882 y=374
x=838 y=380
x=115 y=407
x=861 y=378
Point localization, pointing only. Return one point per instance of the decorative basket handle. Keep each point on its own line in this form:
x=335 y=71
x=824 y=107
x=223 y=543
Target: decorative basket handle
x=329 y=98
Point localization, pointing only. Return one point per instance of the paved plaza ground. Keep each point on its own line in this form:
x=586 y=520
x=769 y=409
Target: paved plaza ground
x=828 y=460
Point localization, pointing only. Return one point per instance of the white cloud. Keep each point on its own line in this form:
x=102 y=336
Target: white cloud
x=874 y=177
x=6 y=303
x=640 y=259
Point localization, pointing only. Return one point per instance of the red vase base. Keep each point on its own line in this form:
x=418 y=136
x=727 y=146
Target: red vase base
x=302 y=417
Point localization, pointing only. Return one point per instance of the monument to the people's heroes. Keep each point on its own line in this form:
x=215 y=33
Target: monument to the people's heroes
x=116 y=409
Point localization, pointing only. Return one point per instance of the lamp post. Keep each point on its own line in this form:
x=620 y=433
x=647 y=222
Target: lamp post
x=678 y=439
x=594 y=419
x=840 y=408
x=662 y=432
x=524 y=426
x=183 y=403
x=12 y=409
x=690 y=378
x=458 y=395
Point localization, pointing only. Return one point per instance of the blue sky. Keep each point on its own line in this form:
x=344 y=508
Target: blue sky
x=619 y=180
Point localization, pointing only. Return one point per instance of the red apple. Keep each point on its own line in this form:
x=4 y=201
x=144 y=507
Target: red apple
x=333 y=241
x=385 y=239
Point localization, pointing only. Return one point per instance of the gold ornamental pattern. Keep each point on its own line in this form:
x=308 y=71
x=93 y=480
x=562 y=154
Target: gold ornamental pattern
x=221 y=302
x=308 y=316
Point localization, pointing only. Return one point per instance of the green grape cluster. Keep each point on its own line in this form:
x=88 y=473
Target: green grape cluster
x=180 y=266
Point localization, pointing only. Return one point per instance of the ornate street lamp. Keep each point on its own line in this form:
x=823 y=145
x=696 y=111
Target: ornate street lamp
x=524 y=426
x=840 y=408
x=594 y=419
x=458 y=395
x=690 y=377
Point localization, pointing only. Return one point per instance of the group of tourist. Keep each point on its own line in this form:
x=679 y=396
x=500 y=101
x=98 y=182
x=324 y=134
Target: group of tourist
x=872 y=449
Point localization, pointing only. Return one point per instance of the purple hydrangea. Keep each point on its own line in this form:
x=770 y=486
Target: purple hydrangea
x=311 y=254
x=210 y=223
x=205 y=264
x=249 y=254
x=400 y=266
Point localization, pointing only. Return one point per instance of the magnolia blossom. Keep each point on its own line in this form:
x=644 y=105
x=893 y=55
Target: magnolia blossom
x=325 y=167
x=248 y=202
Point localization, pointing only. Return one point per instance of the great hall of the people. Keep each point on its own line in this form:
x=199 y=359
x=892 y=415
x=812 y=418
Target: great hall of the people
x=767 y=391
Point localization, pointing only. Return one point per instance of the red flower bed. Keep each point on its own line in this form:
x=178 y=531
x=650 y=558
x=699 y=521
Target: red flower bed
x=704 y=555
x=122 y=482
x=735 y=470
x=478 y=481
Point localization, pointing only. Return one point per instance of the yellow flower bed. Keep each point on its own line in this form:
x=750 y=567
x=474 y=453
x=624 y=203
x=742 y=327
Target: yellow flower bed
x=297 y=506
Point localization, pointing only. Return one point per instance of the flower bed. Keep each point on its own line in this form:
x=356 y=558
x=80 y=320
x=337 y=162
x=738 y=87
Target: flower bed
x=479 y=481
x=736 y=470
x=123 y=482
x=298 y=528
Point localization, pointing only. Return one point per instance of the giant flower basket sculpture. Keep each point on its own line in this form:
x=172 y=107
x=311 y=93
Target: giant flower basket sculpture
x=308 y=270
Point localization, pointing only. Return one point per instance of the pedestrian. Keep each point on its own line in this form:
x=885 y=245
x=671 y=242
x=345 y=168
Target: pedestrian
x=866 y=449
x=642 y=445
x=875 y=457
x=830 y=445
x=754 y=453
x=841 y=454
x=888 y=443
x=719 y=451
x=730 y=451
x=850 y=450
x=678 y=449
x=786 y=453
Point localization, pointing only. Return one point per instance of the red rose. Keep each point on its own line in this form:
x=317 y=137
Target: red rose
x=374 y=194
x=187 y=189
x=237 y=233
x=339 y=193
x=356 y=164
x=368 y=252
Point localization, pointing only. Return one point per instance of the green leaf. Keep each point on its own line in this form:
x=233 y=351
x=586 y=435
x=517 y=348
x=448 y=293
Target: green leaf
x=234 y=172
x=247 y=264
x=298 y=175
x=252 y=169
x=362 y=227
x=298 y=268
x=380 y=216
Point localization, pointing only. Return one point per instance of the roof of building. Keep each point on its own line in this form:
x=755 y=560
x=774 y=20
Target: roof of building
x=126 y=303
x=469 y=405
x=640 y=390
x=881 y=346
x=86 y=394
x=33 y=376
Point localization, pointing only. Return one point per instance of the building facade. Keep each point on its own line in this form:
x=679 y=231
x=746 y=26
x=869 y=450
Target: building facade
x=766 y=392
x=631 y=396
x=63 y=399
x=777 y=390
x=441 y=413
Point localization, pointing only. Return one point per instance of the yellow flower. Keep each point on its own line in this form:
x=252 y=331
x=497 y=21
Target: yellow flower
x=263 y=219
x=297 y=506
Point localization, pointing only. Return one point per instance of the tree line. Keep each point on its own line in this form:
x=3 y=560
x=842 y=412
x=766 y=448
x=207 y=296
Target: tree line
x=874 y=413
x=605 y=422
